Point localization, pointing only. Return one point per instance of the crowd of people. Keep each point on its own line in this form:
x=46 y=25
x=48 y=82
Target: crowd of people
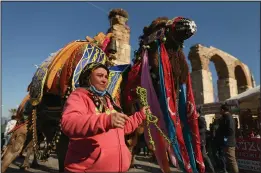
x=221 y=142
x=250 y=127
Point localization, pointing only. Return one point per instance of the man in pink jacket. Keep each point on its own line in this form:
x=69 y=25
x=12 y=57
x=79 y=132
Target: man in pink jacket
x=96 y=130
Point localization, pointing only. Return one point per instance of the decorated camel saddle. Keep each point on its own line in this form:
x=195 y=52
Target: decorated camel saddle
x=59 y=74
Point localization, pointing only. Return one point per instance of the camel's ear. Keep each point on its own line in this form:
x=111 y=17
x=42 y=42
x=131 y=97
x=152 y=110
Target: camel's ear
x=169 y=23
x=145 y=30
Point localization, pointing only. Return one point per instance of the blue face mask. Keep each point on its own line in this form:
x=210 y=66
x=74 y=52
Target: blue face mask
x=99 y=93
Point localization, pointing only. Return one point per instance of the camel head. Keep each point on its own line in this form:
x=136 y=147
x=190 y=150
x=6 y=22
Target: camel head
x=172 y=33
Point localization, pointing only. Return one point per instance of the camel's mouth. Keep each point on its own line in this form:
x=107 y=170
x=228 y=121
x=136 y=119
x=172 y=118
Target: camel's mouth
x=192 y=27
x=184 y=28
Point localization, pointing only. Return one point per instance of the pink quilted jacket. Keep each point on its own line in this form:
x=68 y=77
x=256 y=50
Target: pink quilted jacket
x=94 y=145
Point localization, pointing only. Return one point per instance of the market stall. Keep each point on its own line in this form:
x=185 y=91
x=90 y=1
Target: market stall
x=248 y=151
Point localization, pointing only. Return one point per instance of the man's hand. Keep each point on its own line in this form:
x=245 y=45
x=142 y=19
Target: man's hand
x=118 y=120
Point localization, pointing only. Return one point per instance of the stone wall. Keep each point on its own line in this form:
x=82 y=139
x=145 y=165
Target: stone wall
x=202 y=86
x=121 y=32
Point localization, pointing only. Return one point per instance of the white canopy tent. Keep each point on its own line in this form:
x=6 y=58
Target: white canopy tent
x=249 y=99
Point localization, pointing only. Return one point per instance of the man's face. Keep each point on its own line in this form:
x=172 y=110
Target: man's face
x=99 y=79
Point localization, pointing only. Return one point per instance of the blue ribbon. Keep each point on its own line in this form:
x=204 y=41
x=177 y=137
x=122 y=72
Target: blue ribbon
x=186 y=129
x=169 y=123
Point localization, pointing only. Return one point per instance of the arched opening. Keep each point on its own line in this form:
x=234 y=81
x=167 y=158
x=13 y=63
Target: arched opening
x=219 y=71
x=220 y=66
x=241 y=79
x=214 y=77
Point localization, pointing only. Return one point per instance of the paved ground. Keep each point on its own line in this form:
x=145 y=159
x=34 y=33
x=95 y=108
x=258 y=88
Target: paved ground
x=142 y=164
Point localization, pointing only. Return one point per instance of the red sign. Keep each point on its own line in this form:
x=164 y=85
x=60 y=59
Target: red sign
x=248 y=154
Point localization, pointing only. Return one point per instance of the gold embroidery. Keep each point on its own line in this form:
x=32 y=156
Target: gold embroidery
x=110 y=76
x=107 y=111
x=96 y=55
x=116 y=88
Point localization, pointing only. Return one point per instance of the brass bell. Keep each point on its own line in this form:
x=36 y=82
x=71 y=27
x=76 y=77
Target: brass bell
x=112 y=48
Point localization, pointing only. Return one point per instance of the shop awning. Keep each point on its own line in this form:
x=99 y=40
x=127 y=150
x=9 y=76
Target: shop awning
x=249 y=99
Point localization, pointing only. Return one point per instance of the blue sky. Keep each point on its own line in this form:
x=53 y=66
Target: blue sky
x=33 y=30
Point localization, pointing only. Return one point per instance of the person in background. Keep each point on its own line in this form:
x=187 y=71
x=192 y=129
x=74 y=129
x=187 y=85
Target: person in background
x=237 y=130
x=96 y=126
x=252 y=135
x=218 y=143
x=227 y=126
x=9 y=127
x=215 y=147
x=202 y=131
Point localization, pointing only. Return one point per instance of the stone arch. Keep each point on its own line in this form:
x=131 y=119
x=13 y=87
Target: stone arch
x=244 y=81
x=220 y=66
x=225 y=79
x=197 y=61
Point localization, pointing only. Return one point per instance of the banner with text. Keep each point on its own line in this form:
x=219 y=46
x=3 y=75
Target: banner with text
x=248 y=154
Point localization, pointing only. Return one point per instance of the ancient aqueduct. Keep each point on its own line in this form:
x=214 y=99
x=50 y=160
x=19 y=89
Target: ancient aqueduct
x=234 y=77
